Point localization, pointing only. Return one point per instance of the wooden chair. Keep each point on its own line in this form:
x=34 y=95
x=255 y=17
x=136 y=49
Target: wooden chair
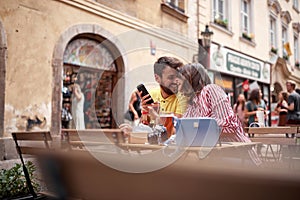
x=36 y=143
x=73 y=138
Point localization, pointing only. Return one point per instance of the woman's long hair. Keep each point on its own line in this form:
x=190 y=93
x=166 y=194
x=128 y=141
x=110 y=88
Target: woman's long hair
x=194 y=79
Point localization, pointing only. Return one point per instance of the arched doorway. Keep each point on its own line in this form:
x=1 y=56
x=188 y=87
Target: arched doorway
x=84 y=55
x=91 y=66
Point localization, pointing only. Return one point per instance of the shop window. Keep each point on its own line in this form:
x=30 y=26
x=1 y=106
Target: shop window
x=90 y=65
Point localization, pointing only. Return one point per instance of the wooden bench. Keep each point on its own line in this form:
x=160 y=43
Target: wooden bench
x=33 y=143
x=74 y=138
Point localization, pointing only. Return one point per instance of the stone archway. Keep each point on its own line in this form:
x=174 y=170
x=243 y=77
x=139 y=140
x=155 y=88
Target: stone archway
x=3 y=57
x=57 y=65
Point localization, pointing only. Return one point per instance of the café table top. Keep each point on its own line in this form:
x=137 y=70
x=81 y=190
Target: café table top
x=225 y=145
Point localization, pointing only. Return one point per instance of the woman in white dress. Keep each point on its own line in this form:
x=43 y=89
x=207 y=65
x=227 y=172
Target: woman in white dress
x=77 y=107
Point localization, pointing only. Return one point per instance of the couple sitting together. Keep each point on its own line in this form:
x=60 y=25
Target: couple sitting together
x=186 y=91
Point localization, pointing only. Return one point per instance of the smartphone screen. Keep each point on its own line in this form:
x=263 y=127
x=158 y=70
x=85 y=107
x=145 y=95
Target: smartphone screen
x=142 y=88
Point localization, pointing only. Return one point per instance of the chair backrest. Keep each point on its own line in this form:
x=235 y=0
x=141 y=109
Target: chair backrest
x=91 y=137
x=37 y=141
x=31 y=148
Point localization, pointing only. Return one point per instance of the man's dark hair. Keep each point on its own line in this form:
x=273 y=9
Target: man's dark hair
x=298 y=90
x=165 y=61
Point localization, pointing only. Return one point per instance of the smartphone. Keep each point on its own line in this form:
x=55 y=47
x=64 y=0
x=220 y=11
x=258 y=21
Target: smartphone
x=142 y=88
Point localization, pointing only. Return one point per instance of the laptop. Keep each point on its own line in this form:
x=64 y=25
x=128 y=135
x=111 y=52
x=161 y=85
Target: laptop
x=201 y=131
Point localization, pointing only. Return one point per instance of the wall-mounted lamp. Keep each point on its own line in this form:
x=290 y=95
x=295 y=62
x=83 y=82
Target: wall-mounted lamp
x=204 y=47
x=206 y=37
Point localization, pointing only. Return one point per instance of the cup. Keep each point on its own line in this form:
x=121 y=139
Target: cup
x=166 y=119
x=260 y=117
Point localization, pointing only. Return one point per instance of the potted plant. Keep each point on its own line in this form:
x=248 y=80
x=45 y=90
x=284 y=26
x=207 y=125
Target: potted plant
x=13 y=183
x=221 y=22
x=247 y=36
x=274 y=50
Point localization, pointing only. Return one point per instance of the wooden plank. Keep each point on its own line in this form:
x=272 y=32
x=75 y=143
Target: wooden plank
x=274 y=140
x=272 y=130
x=92 y=137
x=35 y=135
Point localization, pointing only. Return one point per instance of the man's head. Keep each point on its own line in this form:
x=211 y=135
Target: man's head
x=290 y=85
x=166 y=74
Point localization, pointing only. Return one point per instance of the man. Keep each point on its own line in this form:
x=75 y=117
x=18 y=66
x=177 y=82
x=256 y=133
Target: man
x=166 y=75
x=293 y=116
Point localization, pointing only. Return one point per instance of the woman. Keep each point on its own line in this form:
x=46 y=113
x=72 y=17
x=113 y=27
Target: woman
x=134 y=107
x=255 y=103
x=77 y=107
x=239 y=108
x=281 y=107
x=210 y=100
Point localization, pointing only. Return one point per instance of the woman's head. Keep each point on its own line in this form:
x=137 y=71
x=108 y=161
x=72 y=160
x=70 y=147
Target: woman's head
x=194 y=78
x=241 y=98
x=255 y=95
x=283 y=95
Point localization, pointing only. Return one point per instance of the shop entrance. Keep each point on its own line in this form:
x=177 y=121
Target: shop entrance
x=91 y=66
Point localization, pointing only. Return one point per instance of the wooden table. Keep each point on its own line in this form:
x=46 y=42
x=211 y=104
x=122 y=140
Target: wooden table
x=237 y=150
x=273 y=136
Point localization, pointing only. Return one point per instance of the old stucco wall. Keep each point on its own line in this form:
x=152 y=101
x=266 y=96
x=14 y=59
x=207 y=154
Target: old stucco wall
x=33 y=29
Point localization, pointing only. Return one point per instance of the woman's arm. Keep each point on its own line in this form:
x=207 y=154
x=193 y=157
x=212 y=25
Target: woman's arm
x=131 y=107
x=78 y=94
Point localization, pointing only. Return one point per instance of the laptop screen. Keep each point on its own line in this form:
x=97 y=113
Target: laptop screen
x=202 y=131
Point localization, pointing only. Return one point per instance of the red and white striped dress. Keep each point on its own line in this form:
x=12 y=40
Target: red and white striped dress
x=213 y=102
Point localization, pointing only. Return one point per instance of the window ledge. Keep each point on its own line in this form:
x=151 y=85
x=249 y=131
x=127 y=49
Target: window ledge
x=216 y=26
x=175 y=13
x=252 y=43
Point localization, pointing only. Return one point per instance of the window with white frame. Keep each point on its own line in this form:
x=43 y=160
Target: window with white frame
x=296 y=4
x=220 y=13
x=246 y=28
x=284 y=40
x=177 y=4
x=296 y=49
x=245 y=12
x=273 y=33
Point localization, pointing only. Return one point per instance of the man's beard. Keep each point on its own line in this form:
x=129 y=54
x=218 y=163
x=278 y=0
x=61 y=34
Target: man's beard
x=168 y=91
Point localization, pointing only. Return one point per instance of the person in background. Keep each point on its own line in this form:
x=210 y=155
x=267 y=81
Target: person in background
x=210 y=100
x=239 y=109
x=77 y=107
x=281 y=108
x=254 y=104
x=293 y=115
x=134 y=107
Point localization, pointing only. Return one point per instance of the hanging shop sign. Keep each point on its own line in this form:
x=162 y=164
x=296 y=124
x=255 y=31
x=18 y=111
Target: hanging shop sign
x=235 y=63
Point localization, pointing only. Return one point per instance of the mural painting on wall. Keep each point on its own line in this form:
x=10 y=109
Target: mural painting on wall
x=89 y=53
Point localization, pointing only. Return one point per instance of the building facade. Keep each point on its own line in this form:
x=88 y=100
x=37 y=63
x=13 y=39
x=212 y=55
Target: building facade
x=106 y=48
x=255 y=42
